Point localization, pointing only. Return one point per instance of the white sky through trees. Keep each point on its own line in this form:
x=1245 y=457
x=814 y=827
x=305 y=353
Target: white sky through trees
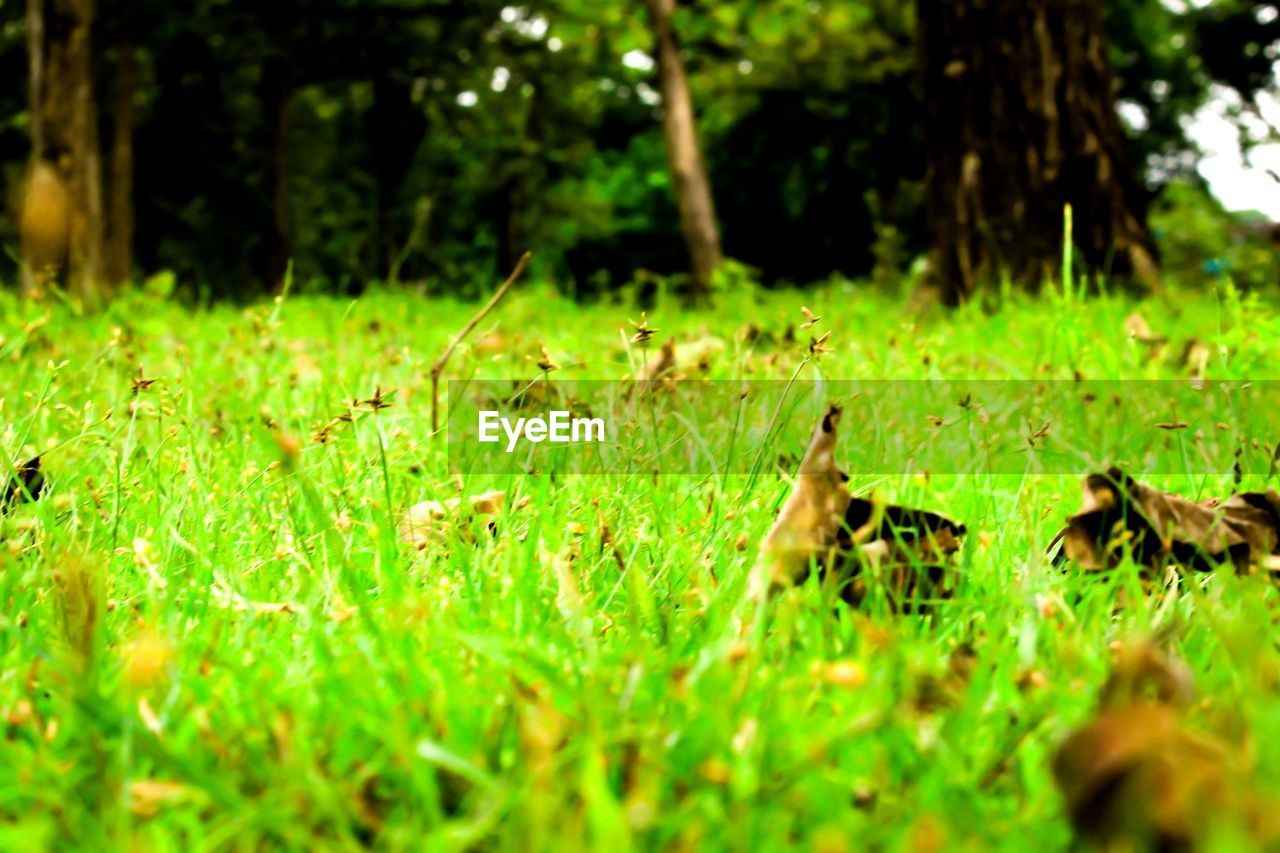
x=1241 y=180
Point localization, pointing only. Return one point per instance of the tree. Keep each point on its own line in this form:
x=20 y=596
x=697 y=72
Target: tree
x=688 y=172
x=1020 y=120
x=65 y=180
x=438 y=139
x=118 y=249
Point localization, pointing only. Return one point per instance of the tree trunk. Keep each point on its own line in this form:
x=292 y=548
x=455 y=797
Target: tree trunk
x=119 y=246
x=684 y=154
x=62 y=218
x=1020 y=121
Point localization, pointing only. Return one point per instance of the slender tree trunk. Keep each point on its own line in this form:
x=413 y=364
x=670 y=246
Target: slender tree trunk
x=62 y=218
x=684 y=154
x=35 y=78
x=119 y=247
x=1020 y=121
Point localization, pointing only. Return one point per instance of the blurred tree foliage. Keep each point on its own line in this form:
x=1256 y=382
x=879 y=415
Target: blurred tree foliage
x=1200 y=239
x=435 y=140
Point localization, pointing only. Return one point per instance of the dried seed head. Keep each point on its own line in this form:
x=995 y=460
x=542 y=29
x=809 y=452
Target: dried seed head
x=643 y=330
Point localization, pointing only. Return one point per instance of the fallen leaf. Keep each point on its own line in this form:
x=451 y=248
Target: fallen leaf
x=750 y=333
x=488 y=503
x=1195 y=357
x=807 y=529
x=939 y=691
x=698 y=354
x=431 y=522
x=148 y=796
x=662 y=363
x=906 y=550
x=1139 y=776
x=1119 y=514
x=1137 y=328
x=859 y=540
x=26 y=484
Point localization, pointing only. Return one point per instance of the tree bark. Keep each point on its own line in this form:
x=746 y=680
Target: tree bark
x=1020 y=121
x=64 y=194
x=684 y=154
x=119 y=245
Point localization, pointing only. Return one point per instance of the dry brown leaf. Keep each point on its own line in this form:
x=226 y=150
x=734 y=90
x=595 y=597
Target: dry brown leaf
x=808 y=526
x=148 y=796
x=1119 y=514
x=27 y=483
x=488 y=503
x=698 y=354
x=1133 y=773
x=662 y=363
x=430 y=522
x=939 y=691
x=1138 y=777
x=857 y=539
x=906 y=550
x=1195 y=357
x=1136 y=327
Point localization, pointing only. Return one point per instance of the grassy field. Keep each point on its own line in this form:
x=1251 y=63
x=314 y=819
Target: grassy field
x=212 y=634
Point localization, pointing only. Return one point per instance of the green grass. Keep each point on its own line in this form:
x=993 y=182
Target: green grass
x=493 y=692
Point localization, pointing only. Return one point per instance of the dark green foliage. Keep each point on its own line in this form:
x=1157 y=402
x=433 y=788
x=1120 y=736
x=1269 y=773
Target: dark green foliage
x=435 y=140
x=1202 y=242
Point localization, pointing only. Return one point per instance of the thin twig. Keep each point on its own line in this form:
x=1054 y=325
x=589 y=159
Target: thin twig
x=438 y=367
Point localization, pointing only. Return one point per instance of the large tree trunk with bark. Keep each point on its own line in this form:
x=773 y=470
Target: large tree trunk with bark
x=118 y=260
x=684 y=154
x=1021 y=121
x=62 y=218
